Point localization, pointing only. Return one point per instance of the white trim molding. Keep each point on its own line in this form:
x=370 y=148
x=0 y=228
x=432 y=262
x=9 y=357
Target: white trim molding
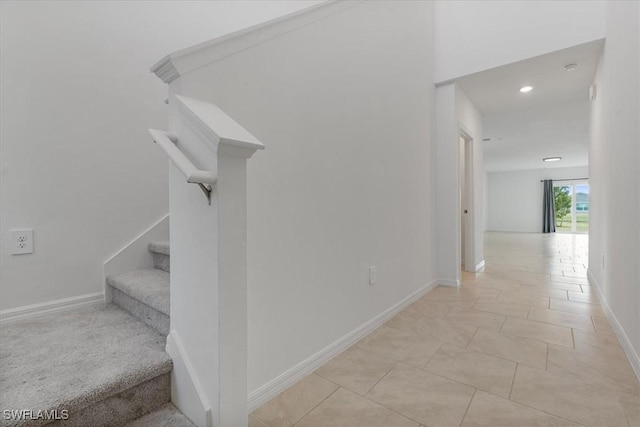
x=50 y=307
x=448 y=282
x=215 y=126
x=631 y=353
x=285 y=380
x=186 y=60
x=191 y=396
x=135 y=255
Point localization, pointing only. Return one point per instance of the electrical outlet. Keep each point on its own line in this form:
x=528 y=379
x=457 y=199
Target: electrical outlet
x=603 y=261
x=372 y=275
x=21 y=242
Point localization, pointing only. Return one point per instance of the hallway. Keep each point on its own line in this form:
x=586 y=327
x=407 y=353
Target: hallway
x=525 y=343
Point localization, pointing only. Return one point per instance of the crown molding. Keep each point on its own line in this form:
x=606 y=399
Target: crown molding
x=186 y=60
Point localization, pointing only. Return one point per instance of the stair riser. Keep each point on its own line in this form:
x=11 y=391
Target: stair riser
x=123 y=407
x=151 y=317
x=160 y=261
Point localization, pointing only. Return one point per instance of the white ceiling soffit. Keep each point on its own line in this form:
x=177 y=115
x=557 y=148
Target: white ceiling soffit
x=551 y=120
x=522 y=138
x=497 y=90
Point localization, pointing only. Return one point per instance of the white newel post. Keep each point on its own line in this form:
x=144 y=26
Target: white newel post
x=208 y=338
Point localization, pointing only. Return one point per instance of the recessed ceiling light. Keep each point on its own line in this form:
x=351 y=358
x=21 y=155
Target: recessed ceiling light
x=571 y=67
x=525 y=89
x=551 y=159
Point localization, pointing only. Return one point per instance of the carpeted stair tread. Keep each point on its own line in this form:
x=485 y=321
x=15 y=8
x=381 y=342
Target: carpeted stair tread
x=161 y=247
x=149 y=286
x=74 y=359
x=165 y=416
x=160 y=254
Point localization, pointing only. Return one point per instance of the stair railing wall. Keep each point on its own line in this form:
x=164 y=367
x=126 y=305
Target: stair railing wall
x=208 y=333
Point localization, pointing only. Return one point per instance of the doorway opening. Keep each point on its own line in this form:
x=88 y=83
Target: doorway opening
x=572 y=206
x=466 y=256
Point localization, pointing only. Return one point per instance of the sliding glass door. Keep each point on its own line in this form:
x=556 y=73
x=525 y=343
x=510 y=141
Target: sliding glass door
x=572 y=206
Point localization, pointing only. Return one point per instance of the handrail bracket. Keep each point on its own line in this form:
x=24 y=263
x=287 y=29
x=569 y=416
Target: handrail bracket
x=205 y=179
x=206 y=189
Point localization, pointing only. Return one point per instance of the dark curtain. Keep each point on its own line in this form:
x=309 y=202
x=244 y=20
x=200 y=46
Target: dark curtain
x=548 y=208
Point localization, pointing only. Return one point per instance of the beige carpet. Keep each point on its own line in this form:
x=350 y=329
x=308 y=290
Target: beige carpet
x=72 y=360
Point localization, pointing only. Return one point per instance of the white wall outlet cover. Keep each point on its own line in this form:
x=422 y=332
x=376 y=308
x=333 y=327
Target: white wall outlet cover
x=372 y=275
x=21 y=241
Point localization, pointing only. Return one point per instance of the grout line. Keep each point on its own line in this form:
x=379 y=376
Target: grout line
x=573 y=338
x=546 y=322
x=482 y=352
x=320 y=403
x=468 y=406
x=450 y=379
x=394 y=411
x=505 y=321
x=547 y=413
x=472 y=337
x=424 y=366
x=383 y=377
x=513 y=380
x=535 y=339
x=546 y=362
x=326 y=379
x=384 y=406
x=501 y=325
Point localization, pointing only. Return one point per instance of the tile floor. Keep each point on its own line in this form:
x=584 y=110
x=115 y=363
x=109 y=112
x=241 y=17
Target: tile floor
x=524 y=343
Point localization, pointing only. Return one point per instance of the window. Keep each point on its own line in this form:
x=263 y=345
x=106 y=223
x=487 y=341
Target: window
x=572 y=207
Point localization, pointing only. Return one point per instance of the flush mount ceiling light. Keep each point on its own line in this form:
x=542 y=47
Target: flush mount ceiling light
x=571 y=67
x=525 y=89
x=551 y=159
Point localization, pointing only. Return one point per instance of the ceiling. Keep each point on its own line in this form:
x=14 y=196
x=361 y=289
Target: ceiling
x=551 y=120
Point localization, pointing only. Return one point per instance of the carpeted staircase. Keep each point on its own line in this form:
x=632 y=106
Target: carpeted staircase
x=145 y=293
x=103 y=366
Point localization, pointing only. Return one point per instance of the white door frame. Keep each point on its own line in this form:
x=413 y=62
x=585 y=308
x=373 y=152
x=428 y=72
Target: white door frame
x=467 y=200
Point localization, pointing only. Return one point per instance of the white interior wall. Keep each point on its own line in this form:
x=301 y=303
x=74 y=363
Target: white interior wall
x=472 y=36
x=76 y=99
x=344 y=182
x=613 y=167
x=514 y=198
x=470 y=120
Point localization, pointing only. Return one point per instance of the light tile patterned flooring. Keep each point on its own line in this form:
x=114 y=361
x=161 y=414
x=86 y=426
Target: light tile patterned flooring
x=525 y=343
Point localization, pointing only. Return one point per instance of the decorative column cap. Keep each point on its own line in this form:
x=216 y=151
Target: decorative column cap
x=217 y=127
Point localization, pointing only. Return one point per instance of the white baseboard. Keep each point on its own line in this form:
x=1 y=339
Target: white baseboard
x=631 y=353
x=480 y=266
x=448 y=282
x=285 y=380
x=187 y=393
x=49 y=307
